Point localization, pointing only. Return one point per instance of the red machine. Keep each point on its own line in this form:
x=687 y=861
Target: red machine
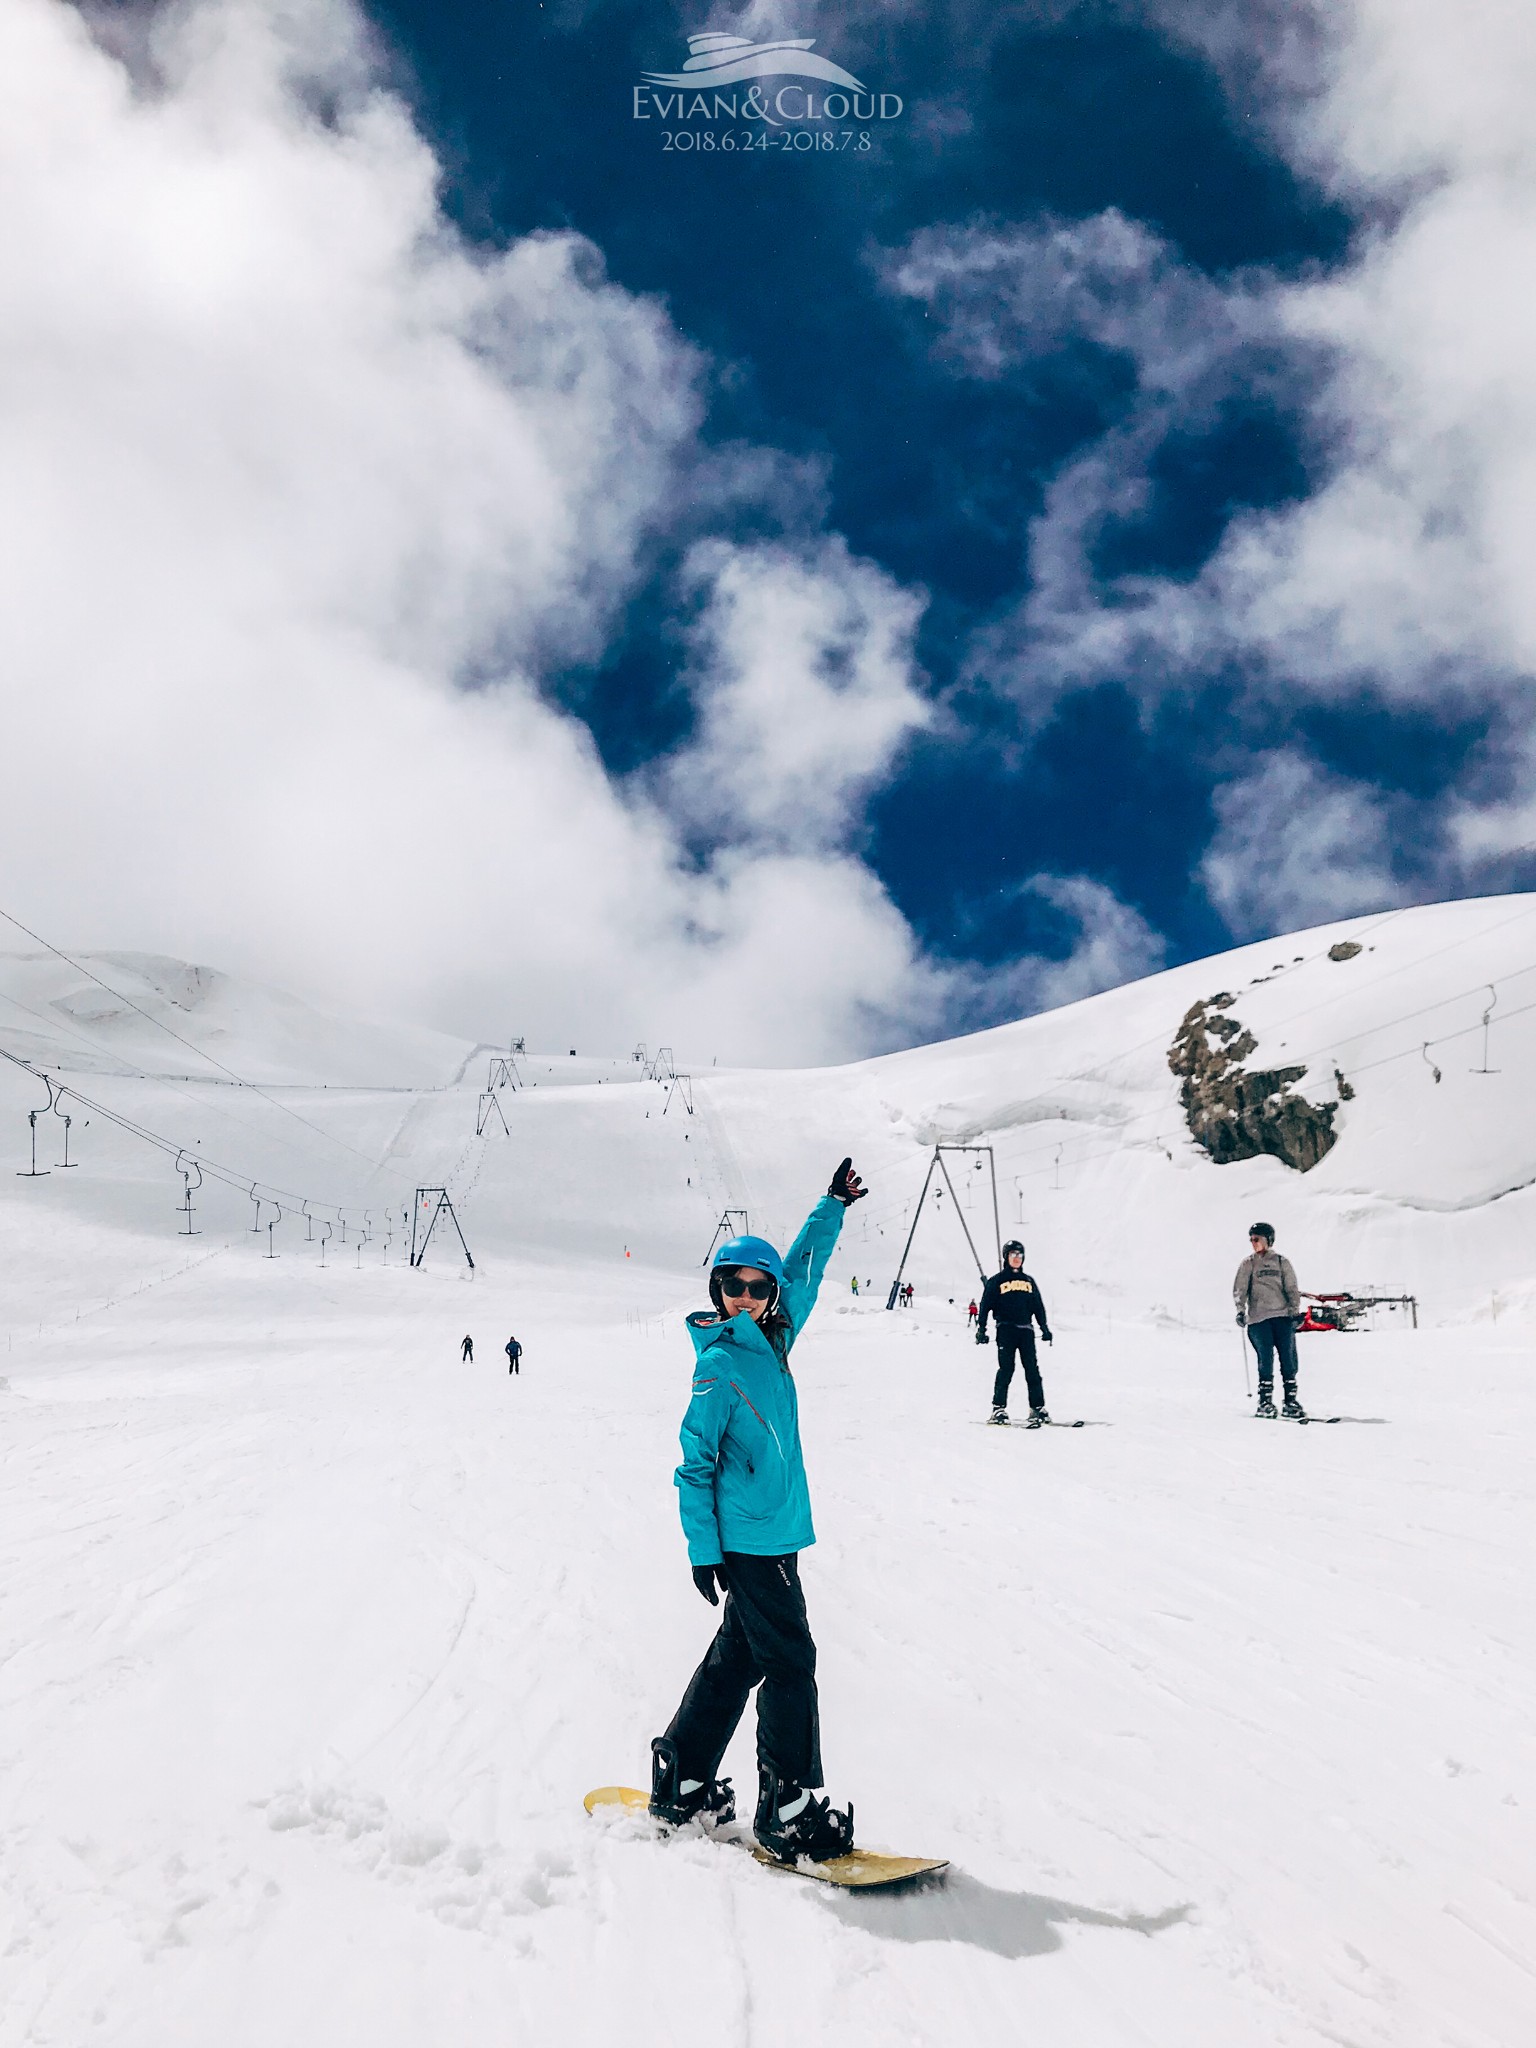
x=1344 y=1312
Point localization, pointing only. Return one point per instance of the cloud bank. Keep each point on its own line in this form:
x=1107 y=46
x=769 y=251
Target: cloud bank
x=1397 y=578
x=301 y=496
x=310 y=503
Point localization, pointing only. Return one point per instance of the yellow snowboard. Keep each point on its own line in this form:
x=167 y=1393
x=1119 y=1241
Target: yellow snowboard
x=859 y=1870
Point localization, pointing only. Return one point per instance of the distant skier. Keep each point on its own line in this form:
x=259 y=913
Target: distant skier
x=1268 y=1305
x=970 y=1314
x=514 y=1353
x=1013 y=1297
x=467 y=1349
x=854 y=1283
x=746 y=1513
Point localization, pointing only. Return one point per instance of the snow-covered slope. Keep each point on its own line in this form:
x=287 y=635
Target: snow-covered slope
x=1428 y=1190
x=312 y=1637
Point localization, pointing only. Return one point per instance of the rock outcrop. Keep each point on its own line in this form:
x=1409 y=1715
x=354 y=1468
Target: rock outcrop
x=1238 y=1112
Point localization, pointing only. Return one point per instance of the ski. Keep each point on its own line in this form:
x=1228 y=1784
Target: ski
x=1083 y=1422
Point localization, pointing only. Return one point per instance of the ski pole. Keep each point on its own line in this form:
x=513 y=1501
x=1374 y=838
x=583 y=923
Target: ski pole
x=1243 y=1345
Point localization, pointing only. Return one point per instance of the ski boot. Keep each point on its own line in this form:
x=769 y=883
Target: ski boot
x=1291 y=1406
x=679 y=1800
x=792 y=1822
x=1266 y=1406
x=999 y=1415
x=1038 y=1418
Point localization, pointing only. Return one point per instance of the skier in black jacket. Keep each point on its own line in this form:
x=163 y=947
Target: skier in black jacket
x=1013 y=1297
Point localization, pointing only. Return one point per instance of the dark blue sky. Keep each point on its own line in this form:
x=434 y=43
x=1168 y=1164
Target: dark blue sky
x=771 y=266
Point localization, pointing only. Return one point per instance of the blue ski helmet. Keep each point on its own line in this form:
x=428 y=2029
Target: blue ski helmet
x=750 y=1251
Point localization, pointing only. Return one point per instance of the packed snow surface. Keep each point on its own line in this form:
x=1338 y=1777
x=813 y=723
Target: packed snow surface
x=314 y=1635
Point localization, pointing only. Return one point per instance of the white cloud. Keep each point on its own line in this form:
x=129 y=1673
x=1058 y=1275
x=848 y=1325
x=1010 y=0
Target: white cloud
x=1112 y=943
x=1004 y=298
x=299 y=491
x=1005 y=295
x=1296 y=846
x=1404 y=572
x=805 y=691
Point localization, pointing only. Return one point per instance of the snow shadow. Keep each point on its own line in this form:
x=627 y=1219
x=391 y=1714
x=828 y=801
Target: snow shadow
x=1008 y=1924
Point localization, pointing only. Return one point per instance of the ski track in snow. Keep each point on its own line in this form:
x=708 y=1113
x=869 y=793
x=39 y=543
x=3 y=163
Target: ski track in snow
x=312 y=1637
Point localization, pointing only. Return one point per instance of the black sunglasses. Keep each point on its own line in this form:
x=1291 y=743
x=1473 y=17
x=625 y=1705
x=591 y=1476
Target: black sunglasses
x=735 y=1286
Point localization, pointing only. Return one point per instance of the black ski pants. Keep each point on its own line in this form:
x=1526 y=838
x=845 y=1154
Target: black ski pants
x=513 y=1360
x=1013 y=1340
x=1274 y=1333
x=764 y=1639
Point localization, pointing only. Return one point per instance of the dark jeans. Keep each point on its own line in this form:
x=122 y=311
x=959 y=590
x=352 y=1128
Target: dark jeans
x=513 y=1359
x=763 y=1639
x=1013 y=1340
x=1275 y=1333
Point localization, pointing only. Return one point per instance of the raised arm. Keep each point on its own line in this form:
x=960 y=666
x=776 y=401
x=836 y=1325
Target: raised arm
x=806 y=1259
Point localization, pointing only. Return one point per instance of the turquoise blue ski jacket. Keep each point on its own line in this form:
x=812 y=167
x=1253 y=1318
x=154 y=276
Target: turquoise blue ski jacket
x=741 y=1485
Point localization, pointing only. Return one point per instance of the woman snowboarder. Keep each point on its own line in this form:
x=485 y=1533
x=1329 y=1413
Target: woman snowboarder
x=746 y=1513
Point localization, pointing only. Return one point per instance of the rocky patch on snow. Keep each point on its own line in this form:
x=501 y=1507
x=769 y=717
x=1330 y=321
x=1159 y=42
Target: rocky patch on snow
x=1236 y=1112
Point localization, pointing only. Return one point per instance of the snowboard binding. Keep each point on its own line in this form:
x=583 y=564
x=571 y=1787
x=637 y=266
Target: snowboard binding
x=791 y=1822
x=678 y=1800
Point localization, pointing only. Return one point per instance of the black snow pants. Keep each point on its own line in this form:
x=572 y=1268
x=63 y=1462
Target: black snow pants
x=1016 y=1338
x=1274 y=1333
x=763 y=1639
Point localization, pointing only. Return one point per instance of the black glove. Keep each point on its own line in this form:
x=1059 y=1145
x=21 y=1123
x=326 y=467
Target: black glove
x=1045 y=1337
x=1241 y=1319
x=704 y=1577
x=845 y=1186
x=981 y=1336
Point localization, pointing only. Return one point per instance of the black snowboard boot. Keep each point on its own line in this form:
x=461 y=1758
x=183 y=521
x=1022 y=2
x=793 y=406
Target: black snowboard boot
x=1038 y=1418
x=1266 y=1405
x=678 y=1800
x=1291 y=1406
x=998 y=1415
x=792 y=1822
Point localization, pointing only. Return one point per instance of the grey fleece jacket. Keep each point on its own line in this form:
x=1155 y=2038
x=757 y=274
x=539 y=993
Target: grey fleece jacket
x=1265 y=1287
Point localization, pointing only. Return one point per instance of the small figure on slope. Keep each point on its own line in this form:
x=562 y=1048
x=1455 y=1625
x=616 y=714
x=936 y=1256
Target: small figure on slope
x=746 y=1513
x=1014 y=1298
x=467 y=1349
x=1268 y=1303
x=514 y=1353
x=970 y=1314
